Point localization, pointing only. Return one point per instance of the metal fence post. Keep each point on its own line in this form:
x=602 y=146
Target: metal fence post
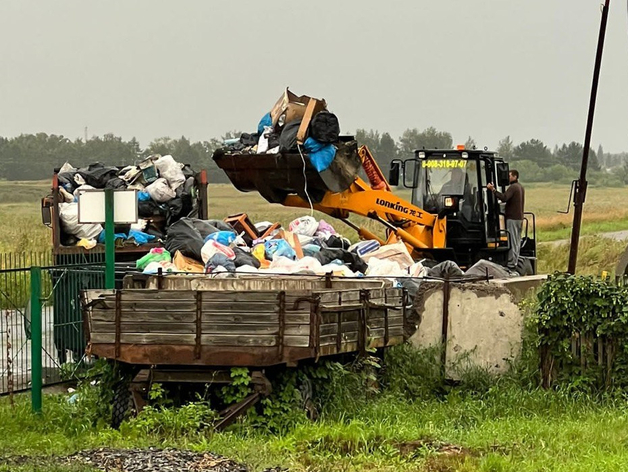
x=110 y=250
x=36 y=340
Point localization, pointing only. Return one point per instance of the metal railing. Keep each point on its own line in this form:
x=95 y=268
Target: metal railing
x=42 y=341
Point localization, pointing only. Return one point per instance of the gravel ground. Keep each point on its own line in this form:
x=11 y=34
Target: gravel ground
x=157 y=460
x=136 y=460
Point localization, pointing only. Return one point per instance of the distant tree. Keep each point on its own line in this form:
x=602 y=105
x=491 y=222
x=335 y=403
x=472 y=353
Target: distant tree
x=533 y=150
x=470 y=143
x=600 y=156
x=431 y=138
x=506 y=148
x=570 y=155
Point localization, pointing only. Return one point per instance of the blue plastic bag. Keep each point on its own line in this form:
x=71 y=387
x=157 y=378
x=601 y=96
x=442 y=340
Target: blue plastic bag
x=321 y=155
x=265 y=121
x=101 y=236
x=279 y=247
x=141 y=237
x=143 y=196
x=223 y=237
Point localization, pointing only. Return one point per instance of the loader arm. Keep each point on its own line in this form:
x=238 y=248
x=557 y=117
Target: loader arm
x=416 y=227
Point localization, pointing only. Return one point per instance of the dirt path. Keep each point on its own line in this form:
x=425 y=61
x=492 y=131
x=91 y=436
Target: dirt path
x=615 y=235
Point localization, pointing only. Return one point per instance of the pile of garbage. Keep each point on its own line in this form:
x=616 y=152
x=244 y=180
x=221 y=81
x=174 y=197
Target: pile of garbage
x=307 y=246
x=165 y=191
x=294 y=123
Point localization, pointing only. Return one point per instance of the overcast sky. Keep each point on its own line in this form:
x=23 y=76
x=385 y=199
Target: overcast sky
x=484 y=68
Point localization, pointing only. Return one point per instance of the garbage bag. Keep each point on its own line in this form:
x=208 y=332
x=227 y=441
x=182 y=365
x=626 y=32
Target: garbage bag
x=259 y=252
x=156 y=254
x=339 y=242
x=483 y=267
x=384 y=268
x=324 y=229
x=66 y=180
x=223 y=237
x=140 y=237
x=97 y=175
x=170 y=170
x=249 y=139
x=445 y=269
x=353 y=261
x=264 y=122
x=397 y=252
x=219 y=260
x=220 y=225
x=116 y=183
x=210 y=248
x=244 y=258
x=116 y=236
x=165 y=266
x=305 y=225
x=143 y=196
x=68 y=213
x=150 y=208
x=311 y=249
x=160 y=191
x=188 y=236
x=325 y=128
x=288 y=137
x=279 y=247
x=321 y=155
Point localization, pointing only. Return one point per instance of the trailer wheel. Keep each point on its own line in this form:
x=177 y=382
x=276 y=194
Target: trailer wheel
x=121 y=404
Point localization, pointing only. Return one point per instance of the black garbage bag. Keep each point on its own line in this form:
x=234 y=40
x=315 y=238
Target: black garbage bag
x=249 y=139
x=66 y=180
x=445 y=269
x=245 y=258
x=353 y=261
x=116 y=183
x=337 y=242
x=150 y=208
x=288 y=137
x=97 y=175
x=188 y=236
x=325 y=128
x=221 y=225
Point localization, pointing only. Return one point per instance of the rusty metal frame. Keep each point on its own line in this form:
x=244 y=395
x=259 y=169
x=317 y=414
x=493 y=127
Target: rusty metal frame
x=118 y=321
x=199 y=324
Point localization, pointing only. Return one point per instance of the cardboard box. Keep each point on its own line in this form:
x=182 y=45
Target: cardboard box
x=292 y=107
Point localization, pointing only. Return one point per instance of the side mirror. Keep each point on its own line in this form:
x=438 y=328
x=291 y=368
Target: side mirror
x=502 y=174
x=46 y=214
x=393 y=174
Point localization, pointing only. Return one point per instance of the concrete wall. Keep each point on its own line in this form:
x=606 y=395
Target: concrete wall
x=485 y=324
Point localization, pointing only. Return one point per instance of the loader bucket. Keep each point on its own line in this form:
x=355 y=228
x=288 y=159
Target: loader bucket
x=275 y=176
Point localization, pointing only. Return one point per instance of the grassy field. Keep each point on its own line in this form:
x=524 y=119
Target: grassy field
x=504 y=428
x=21 y=229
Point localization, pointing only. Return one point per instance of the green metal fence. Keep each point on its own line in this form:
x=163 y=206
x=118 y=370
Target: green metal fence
x=30 y=281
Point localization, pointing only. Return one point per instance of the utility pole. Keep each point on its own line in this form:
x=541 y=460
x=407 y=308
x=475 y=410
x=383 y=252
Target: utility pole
x=581 y=183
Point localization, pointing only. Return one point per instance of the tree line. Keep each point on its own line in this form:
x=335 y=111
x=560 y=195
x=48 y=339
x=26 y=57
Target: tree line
x=34 y=156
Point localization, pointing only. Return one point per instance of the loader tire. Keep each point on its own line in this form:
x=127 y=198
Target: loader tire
x=121 y=404
x=524 y=267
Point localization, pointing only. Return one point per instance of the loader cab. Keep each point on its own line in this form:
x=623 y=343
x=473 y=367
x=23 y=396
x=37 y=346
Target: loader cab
x=452 y=184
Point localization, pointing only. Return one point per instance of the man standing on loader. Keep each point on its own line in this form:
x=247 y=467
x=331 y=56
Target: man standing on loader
x=515 y=201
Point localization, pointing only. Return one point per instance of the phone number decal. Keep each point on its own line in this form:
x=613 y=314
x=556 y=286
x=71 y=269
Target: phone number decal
x=445 y=164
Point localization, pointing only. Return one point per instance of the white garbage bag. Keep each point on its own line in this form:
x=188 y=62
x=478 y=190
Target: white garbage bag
x=305 y=226
x=170 y=170
x=68 y=213
x=160 y=191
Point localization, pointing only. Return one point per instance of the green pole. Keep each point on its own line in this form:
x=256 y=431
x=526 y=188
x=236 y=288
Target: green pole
x=36 y=341
x=110 y=249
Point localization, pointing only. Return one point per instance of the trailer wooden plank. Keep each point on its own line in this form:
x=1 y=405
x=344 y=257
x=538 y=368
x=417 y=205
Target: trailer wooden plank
x=296 y=341
x=237 y=340
x=144 y=338
x=100 y=314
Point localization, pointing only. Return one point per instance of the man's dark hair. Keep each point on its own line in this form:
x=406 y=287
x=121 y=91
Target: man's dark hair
x=515 y=173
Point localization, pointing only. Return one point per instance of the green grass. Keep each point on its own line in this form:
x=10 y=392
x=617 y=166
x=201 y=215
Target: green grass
x=504 y=429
